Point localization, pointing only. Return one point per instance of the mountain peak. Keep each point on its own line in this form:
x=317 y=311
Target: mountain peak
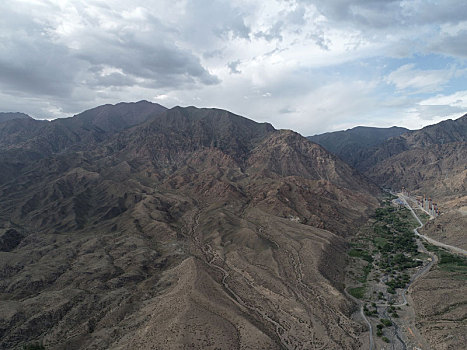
x=351 y=144
x=114 y=118
x=4 y=116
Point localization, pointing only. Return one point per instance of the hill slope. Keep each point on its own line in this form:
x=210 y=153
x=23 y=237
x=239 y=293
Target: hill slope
x=352 y=145
x=196 y=228
x=430 y=160
x=26 y=140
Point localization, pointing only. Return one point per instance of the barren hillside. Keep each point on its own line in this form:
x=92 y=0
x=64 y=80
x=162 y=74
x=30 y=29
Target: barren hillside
x=195 y=228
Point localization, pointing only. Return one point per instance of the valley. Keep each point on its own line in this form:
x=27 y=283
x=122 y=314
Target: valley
x=233 y=175
x=388 y=257
x=136 y=226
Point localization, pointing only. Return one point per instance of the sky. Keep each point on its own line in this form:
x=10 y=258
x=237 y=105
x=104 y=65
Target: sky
x=308 y=65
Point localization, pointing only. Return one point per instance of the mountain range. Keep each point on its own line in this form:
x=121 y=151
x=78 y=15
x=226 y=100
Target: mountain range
x=136 y=226
x=430 y=161
x=353 y=144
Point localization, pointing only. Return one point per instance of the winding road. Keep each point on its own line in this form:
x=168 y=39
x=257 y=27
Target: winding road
x=454 y=249
x=362 y=313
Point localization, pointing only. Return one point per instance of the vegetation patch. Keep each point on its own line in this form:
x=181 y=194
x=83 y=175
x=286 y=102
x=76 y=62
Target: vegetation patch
x=357 y=292
x=361 y=253
x=453 y=263
x=380 y=243
x=450 y=262
x=369 y=312
x=386 y=322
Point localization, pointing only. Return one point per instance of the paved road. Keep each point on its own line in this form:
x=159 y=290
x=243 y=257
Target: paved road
x=428 y=239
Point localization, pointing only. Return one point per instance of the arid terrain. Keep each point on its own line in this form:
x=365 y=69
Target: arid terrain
x=133 y=226
x=439 y=298
x=429 y=162
x=354 y=145
x=233 y=175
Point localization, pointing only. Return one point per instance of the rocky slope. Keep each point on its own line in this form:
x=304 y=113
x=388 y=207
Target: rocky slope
x=430 y=160
x=353 y=144
x=25 y=140
x=439 y=299
x=182 y=228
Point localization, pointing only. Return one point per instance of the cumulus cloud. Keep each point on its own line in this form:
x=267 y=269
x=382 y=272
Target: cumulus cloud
x=233 y=66
x=407 y=77
x=47 y=54
x=309 y=65
x=453 y=44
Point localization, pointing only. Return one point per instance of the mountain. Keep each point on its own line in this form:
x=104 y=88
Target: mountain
x=431 y=160
x=26 y=140
x=113 y=118
x=9 y=116
x=93 y=125
x=180 y=228
x=351 y=145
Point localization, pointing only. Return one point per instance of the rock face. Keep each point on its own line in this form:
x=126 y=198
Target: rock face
x=133 y=226
x=26 y=140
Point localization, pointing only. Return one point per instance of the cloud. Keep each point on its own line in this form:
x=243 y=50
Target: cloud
x=380 y=14
x=272 y=33
x=47 y=51
x=368 y=13
x=407 y=77
x=309 y=65
x=30 y=61
x=287 y=110
x=455 y=44
x=457 y=99
x=233 y=66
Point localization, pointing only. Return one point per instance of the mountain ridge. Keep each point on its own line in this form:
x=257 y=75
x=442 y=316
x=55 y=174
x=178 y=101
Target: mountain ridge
x=429 y=160
x=190 y=227
x=4 y=116
x=350 y=145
